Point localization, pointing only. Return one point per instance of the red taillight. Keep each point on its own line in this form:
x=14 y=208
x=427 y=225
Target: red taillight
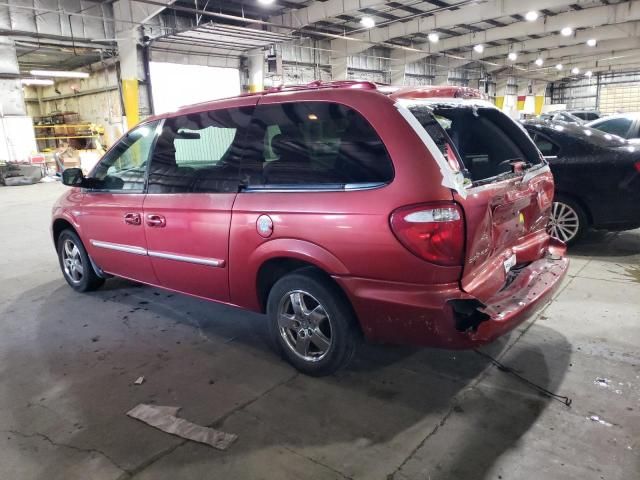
x=433 y=232
x=637 y=166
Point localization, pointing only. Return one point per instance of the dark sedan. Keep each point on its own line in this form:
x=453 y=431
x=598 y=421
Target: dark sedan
x=597 y=177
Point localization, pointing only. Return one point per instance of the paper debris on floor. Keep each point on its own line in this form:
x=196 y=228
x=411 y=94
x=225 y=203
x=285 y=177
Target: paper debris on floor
x=139 y=381
x=596 y=418
x=164 y=418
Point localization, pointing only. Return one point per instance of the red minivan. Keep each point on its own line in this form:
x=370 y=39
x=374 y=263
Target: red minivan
x=417 y=216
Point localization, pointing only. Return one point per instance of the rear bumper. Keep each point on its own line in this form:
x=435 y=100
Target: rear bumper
x=424 y=314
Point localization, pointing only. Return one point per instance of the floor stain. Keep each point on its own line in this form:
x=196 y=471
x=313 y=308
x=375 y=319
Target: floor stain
x=633 y=272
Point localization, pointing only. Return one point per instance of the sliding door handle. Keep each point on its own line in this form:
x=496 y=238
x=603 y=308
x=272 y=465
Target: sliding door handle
x=133 y=219
x=154 y=220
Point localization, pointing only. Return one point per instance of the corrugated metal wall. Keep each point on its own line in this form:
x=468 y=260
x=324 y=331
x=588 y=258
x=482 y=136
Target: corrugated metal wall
x=420 y=73
x=21 y=16
x=607 y=92
x=374 y=65
x=304 y=61
x=208 y=149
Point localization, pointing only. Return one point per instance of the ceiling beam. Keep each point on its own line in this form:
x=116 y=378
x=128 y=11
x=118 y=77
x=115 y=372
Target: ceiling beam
x=320 y=11
x=572 y=54
x=552 y=42
x=473 y=13
x=611 y=61
x=586 y=18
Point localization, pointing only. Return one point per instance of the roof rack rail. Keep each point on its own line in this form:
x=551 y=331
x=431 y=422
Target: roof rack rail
x=318 y=84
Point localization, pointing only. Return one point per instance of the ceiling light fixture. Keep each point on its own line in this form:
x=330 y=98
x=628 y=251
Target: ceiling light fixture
x=539 y=61
x=59 y=73
x=566 y=31
x=479 y=48
x=36 y=81
x=559 y=66
x=575 y=70
x=513 y=56
x=367 y=22
x=266 y=2
x=433 y=37
x=592 y=42
x=588 y=73
x=531 y=16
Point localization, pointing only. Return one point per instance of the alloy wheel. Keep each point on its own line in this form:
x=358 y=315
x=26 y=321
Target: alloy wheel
x=72 y=261
x=304 y=325
x=564 y=223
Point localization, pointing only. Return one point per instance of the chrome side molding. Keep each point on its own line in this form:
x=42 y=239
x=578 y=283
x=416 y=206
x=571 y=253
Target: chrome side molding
x=135 y=250
x=212 y=262
x=119 y=247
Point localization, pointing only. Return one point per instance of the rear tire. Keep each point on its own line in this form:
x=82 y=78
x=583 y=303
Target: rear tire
x=75 y=264
x=311 y=323
x=568 y=220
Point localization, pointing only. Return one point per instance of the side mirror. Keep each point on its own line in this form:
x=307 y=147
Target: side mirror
x=72 y=177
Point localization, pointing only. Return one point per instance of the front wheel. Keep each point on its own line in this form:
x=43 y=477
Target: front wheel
x=311 y=323
x=75 y=264
x=568 y=220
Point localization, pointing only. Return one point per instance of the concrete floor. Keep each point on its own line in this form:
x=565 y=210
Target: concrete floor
x=68 y=362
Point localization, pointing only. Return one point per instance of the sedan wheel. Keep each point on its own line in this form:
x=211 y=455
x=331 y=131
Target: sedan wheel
x=565 y=223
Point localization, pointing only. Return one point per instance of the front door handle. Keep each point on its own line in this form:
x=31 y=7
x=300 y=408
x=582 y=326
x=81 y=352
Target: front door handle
x=132 y=219
x=154 y=220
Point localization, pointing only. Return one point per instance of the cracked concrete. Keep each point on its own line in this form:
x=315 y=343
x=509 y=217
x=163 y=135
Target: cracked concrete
x=68 y=363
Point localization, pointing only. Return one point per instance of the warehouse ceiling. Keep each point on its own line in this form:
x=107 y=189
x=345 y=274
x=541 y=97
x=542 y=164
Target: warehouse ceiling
x=470 y=31
x=499 y=26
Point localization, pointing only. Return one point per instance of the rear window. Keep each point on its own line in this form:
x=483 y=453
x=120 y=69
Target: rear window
x=309 y=144
x=486 y=140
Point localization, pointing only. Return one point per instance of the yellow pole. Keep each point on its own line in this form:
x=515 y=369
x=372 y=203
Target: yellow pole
x=130 y=94
x=539 y=104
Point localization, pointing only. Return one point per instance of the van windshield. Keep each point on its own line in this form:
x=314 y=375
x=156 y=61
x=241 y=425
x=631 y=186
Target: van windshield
x=485 y=140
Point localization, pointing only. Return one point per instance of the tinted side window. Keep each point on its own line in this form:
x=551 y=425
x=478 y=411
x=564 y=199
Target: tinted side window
x=615 y=126
x=124 y=167
x=546 y=146
x=317 y=143
x=200 y=152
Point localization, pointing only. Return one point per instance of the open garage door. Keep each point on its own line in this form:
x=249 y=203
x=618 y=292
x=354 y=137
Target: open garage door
x=202 y=63
x=175 y=85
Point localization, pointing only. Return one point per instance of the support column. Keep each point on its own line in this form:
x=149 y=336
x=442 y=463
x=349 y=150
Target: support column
x=255 y=62
x=442 y=75
x=17 y=140
x=129 y=14
x=128 y=52
x=339 y=60
x=398 y=66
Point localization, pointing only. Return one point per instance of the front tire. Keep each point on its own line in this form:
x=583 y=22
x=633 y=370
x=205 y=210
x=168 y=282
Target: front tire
x=311 y=323
x=568 y=220
x=76 y=267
